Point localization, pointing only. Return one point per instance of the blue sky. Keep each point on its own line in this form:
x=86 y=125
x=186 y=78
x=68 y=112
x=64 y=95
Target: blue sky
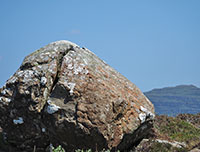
x=154 y=43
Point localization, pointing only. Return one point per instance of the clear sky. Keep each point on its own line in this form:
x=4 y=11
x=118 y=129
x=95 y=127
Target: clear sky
x=154 y=43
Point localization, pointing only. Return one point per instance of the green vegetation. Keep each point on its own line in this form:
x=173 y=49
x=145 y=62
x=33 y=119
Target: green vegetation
x=178 y=130
x=79 y=150
x=58 y=149
x=156 y=147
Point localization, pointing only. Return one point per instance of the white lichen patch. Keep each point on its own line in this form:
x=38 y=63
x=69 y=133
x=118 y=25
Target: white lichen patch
x=36 y=72
x=102 y=117
x=27 y=92
x=47 y=53
x=142 y=117
x=20 y=73
x=12 y=79
x=39 y=66
x=43 y=80
x=107 y=107
x=75 y=65
x=71 y=86
x=67 y=59
x=43 y=130
x=70 y=66
x=85 y=71
x=52 y=108
x=5 y=100
x=147 y=112
x=54 y=55
x=26 y=75
x=77 y=69
x=143 y=109
x=18 y=121
x=85 y=61
x=4 y=91
x=44 y=57
x=53 y=67
x=80 y=69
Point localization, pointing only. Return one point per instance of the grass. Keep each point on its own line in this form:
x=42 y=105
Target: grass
x=179 y=130
x=156 y=147
x=60 y=149
x=80 y=150
x=89 y=150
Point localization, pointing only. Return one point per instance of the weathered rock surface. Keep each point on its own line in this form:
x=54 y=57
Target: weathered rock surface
x=64 y=94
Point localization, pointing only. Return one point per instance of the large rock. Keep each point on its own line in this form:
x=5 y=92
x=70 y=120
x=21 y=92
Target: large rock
x=64 y=94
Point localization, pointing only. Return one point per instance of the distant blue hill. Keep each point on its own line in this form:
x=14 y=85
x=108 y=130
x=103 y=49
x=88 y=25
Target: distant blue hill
x=174 y=100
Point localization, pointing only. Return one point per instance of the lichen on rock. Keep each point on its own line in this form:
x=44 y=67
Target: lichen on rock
x=68 y=96
x=52 y=108
x=18 y=121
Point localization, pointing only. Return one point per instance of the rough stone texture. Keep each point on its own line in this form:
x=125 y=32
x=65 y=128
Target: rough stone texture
x=64 y=94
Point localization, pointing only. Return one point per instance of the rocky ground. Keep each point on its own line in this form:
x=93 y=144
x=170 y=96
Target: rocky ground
x=173 y=134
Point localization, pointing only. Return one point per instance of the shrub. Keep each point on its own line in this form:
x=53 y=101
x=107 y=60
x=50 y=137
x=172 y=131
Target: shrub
x=58 y=149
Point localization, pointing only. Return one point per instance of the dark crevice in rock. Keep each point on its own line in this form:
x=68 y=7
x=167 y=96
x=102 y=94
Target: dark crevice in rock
x=68 y=98
x=60 y=58
x=119 y=116
x=133 y=140
x=55 y=82
x=56 y=79
x=75 y=114
x=26 y=66
x=59 y=61
x=40 y=63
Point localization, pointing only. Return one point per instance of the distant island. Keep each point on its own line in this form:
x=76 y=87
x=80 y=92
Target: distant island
x=175 y=100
